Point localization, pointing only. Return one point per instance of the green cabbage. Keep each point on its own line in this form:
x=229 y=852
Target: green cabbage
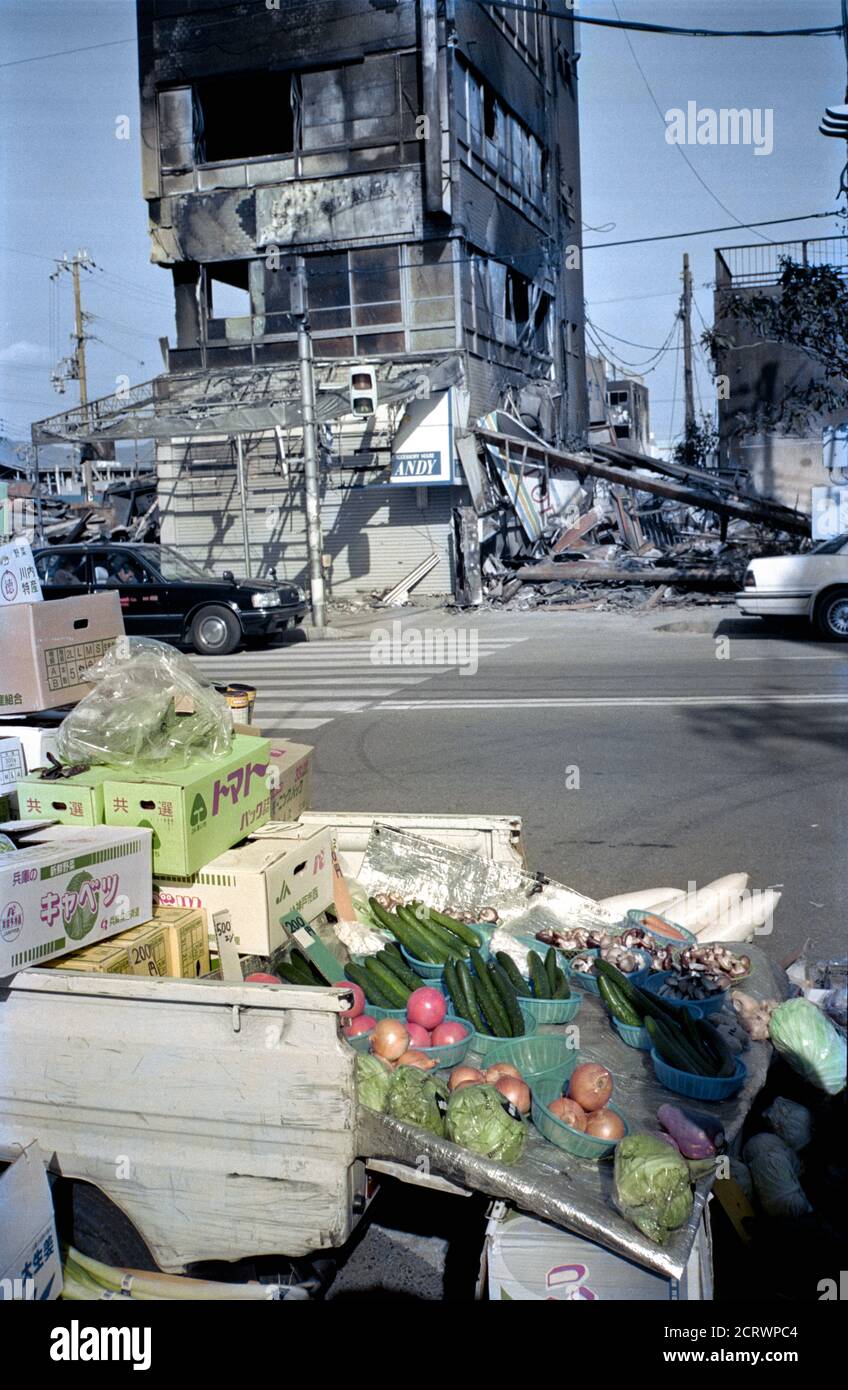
x=480 y=1120
x=811 y=1045
x=418 y=1098
x=373 y=1079
x=651 y=1185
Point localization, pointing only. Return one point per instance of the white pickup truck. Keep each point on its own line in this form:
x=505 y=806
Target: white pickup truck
x=219 y=1119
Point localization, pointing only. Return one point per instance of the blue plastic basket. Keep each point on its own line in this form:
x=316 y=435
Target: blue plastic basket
x=545 y=1060
x=698 y=1087
x=422 y=967
x=673 y=935
x=574 y=1141
x=579 y=978
x=698 y=1008
x=634 y=1037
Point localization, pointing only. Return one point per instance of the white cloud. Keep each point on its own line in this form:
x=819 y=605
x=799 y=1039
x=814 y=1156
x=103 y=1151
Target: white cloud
x=23 y=353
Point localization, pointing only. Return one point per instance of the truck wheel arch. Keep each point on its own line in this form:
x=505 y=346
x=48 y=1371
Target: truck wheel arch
x=90 y=1220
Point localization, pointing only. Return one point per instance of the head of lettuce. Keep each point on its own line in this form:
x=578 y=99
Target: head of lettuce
x=480 y=1119
x=652 y=1186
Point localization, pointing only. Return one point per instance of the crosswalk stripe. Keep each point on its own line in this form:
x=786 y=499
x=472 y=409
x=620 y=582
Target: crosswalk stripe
x=607 y=702
x=274 y=730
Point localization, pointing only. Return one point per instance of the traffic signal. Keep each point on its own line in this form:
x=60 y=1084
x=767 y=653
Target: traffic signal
x=363 y=390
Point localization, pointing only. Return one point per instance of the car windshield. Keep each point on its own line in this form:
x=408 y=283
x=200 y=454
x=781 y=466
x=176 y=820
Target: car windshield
x=172 y=565
x=833 y=546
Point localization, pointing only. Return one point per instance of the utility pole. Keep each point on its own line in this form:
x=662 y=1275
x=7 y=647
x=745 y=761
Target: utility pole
x=314 y=537
x=686 y=315
x=73 y=368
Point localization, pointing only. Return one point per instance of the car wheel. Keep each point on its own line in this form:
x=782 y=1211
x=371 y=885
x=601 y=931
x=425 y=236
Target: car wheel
x=832 y=616
x=215 y=631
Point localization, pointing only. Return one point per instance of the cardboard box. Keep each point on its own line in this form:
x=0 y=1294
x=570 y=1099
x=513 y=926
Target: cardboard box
x=197 y=812
x=290 y=780
x=71 y=889
x=12 y=764
x=529 y=1260
x=36 y=740
x=69 y=800
x=173 y=943
x=19 y=582
x=30 y=1259
x=260 y=884
x=47 y=646
x=110 y=958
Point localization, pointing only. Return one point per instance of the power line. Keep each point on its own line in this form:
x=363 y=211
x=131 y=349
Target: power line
x=61 y=52
x=820 y=31
x=709 y=231
x=678 y=147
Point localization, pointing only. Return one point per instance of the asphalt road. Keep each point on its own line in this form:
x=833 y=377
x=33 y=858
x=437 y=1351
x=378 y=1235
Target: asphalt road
x=635 y=755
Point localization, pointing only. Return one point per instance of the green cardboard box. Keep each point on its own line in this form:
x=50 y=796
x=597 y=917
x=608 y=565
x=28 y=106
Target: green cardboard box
x=69 y=800
x=198 y=812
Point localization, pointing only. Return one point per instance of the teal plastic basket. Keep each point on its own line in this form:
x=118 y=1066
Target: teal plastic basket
x=362 y=1041
x=579 y=978
x=694 y=1087
x=484 y=1045
x=572 y=1140
x=450 y=1054
x=376 y=1012
x=634 y=1037
x=551 y=1010
x=543 y=1059
x=431 y=973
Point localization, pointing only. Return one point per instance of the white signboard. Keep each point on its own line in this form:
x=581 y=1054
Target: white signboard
x=829 y=511
x=422 y=454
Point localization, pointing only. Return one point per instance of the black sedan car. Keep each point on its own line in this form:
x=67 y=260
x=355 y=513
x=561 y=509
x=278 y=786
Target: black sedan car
x=164 y=595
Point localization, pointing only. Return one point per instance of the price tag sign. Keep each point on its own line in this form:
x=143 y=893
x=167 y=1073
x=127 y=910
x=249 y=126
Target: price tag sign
x=309 y=942
x=227 y=953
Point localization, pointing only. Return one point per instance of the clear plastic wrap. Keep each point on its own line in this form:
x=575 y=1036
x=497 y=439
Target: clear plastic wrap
x=651 y=1186
x=791 y=1122
x=810 y=1043
x=480 y=1119
x=775 y=1169
x=150 y=709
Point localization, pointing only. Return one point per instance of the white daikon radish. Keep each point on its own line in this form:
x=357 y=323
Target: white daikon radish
x=696 y=909
x=644 y=900
x=745 y=918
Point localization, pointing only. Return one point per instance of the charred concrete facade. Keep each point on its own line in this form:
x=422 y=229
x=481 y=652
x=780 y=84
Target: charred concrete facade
x=421 y=155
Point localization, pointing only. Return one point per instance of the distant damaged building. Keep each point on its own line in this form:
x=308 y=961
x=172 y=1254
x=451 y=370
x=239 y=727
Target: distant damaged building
x=422 y=157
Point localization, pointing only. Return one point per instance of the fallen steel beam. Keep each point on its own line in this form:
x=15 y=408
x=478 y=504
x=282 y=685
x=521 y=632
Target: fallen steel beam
x=587 y=572
x=750 y=510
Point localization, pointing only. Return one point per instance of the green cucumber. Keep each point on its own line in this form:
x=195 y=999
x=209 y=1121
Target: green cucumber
x=460 y=929
x=471 y=1010
x=429 y=929
x=358 y=975
x=508 y=998
x=550 y=968
x=454 y=990
x=674 y=1049
x=390 y=985
x=538 y=975
x=382 y=914
x=415 y=944
x=489 y=999
x=712 y=1040
x=648 y=1005
x=618 y=1006
x=314 y=972
x=516 y=978
x=394 y=961
x=562 y=990
x=288 y=973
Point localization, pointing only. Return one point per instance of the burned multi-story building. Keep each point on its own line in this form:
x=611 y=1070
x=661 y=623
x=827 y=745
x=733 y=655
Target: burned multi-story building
x=422 y=157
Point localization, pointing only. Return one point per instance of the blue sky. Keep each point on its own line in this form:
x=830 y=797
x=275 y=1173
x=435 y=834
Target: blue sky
x=68 y=182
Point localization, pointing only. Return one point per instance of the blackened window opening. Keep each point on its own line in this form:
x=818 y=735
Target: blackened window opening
x=245 y=117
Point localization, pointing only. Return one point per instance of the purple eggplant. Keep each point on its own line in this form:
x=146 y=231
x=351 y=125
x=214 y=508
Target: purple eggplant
x=666 y=1138
x=692 y=1141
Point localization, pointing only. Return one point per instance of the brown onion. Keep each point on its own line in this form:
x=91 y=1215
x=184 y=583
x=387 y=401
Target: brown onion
x=590 y=1085
x=390 y=1039
x=463 y=1076
x=499 y=1069
x=414 y=1058
x=517 y=1092
x=605 y=1124
x=569 y=1112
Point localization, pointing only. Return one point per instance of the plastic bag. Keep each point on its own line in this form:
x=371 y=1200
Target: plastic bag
x=774 y=1170
x=150 y=709
x=651 y=1185
x=810 y=1043
x=791 y=1122
x=481 y=1119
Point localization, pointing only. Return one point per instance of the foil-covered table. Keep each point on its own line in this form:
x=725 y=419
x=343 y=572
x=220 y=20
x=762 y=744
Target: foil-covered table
x=571 y=1192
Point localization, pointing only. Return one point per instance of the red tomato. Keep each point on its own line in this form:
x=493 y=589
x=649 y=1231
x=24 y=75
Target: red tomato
x=426 y=1007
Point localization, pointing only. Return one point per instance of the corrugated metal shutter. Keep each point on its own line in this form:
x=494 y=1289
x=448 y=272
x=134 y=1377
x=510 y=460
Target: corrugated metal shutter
x=376 y=535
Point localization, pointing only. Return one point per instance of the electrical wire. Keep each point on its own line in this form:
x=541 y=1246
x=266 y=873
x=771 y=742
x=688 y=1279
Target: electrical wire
x=678 y=147
x=818 y=31
x=709 y=231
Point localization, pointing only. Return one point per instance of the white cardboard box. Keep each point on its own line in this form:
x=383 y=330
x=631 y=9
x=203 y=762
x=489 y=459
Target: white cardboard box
x=71 y=889
x=36 y=740
x=525 y=1259
x=259 y=883
x=30 y=1265
x=19 y=582
x=12 y=763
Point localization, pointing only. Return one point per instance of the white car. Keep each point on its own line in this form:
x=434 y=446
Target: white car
x=813 y=585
